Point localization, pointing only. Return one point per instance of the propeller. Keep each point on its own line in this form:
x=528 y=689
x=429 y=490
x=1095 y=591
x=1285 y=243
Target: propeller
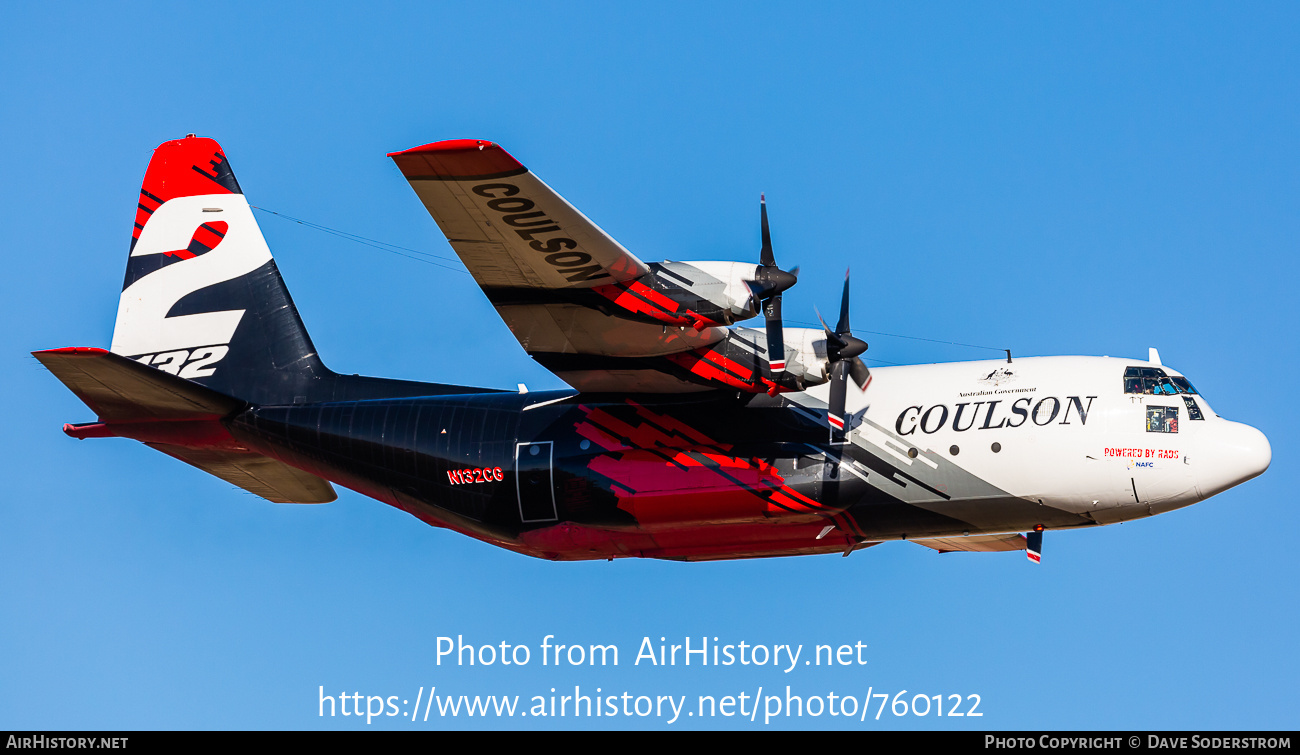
x=768 y=283
x=842 y=350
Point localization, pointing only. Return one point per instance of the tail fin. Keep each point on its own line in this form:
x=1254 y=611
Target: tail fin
x=204 y=301
x=202 y=298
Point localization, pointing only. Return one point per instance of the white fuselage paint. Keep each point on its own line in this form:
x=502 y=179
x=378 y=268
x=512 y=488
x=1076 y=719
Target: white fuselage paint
x=1108 y=467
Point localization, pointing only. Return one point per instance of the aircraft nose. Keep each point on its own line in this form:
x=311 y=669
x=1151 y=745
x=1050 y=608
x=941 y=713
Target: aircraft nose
x=1238 y=453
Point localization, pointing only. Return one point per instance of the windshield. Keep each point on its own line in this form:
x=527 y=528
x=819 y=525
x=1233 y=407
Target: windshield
x=1153 y=381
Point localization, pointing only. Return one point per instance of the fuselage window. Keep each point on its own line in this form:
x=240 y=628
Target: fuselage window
x=1162 y=419
x=1152 y=381
x=1193 y=411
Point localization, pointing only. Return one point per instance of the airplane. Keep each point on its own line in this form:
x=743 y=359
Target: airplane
x=682 y=436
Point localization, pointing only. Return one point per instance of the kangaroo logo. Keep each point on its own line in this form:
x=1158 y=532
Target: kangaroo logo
x=187 y=345
x=999 y=376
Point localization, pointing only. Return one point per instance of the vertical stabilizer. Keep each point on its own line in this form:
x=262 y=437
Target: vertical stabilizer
x=202 y=298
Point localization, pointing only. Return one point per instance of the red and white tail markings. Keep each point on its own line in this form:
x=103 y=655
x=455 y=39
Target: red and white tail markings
x=143 y=325
x=189 y=167
x=193 y=230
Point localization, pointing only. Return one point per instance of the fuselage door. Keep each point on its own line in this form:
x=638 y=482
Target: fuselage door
x=534 y=481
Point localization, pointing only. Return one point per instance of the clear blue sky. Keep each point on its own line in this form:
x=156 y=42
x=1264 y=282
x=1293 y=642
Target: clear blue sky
x=1054 y=178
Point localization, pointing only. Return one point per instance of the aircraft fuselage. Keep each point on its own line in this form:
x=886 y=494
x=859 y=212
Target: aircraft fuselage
x=943 y=450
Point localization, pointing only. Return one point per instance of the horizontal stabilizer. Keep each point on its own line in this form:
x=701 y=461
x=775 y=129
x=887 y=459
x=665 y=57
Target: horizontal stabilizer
x=261 y=475
x=976 y=543
x=149 y=405
x=118 y=389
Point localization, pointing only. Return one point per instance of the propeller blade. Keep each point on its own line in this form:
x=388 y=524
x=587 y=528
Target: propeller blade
x=765 y=257
x=775 y=334
x=859 y=372
x=842 y=328
x=839 y=371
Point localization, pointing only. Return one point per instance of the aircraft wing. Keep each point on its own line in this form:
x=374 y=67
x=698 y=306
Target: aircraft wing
x=509 y=228
x=537 y=259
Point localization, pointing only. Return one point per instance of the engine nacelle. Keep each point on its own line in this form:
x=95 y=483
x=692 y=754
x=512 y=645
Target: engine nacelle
x=739 y=361
x=805 y=355
x=695 y=294
x=724 y=284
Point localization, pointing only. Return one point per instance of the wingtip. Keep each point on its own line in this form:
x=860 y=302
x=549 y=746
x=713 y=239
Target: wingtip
x=455 y=158
x=448 y=145
x=71 y=351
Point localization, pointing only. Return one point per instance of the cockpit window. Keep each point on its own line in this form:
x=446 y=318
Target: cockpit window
x=1146 y=372
x=1153 y=381
x=1193 y=411
x=1162 y=419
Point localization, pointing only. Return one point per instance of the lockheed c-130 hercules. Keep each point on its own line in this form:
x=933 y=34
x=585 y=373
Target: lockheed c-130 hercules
x=683 y=437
